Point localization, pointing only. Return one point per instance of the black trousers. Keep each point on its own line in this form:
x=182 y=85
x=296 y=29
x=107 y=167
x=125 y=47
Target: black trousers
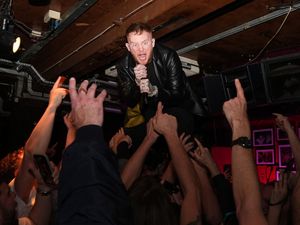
x=184 y=118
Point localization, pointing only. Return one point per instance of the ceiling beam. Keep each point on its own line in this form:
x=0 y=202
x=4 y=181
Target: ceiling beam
x=105 y=30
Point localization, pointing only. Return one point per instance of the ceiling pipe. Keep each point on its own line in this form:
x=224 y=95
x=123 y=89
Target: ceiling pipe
x=240 y=28
x=198 y=22
x=22 y=71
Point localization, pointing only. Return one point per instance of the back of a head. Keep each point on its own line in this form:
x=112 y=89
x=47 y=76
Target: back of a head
x=151 y=204
x=9 y=165
x=138 y=28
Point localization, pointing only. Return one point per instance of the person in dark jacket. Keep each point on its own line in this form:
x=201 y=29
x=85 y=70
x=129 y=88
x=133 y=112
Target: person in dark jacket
x=90 y=188
x=150 y=73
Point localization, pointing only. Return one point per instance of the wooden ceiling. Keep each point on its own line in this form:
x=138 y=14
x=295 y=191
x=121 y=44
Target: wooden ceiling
x=90 y=38
x=218 y=34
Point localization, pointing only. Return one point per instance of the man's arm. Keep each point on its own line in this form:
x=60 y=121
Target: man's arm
x=40 y=213
x=278 y=199
x=201 y=158
x=134 y=166
x=245 y=181
x=71 y=134
x=284 y=124
x=191 y=205
x=39 y=139
x=90 y=188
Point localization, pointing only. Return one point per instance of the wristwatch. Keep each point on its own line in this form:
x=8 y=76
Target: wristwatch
x=244 y=142
x=43 y=193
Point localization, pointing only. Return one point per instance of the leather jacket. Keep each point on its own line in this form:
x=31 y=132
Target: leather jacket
x=174 y=89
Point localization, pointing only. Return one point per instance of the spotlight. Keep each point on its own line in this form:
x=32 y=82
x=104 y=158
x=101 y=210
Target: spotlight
x=9 y=42
x=16 y=44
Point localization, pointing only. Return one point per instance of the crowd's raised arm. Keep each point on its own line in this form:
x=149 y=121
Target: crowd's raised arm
x=153 y=171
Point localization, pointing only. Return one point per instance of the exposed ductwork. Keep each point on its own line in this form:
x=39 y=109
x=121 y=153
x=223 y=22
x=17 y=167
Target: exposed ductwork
x=22 y=76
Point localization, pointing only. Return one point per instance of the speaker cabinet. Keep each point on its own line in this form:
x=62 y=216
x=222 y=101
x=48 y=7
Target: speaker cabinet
x=252 y=80
x=282 y=75
x=215 y=92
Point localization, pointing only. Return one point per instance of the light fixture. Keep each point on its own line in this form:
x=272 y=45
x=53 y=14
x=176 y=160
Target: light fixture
x=9 y=42
x=16 y=44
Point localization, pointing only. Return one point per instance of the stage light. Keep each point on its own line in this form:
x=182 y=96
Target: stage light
x=16 y=44
x=9 y=42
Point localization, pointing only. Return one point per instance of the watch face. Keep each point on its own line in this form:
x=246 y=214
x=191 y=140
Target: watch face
x=245 y=142
x=247 y=145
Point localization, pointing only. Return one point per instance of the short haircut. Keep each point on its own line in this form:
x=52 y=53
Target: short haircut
x=138 y=28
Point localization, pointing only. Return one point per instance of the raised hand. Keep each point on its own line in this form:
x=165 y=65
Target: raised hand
x=236 y=113
x=57 y=93
x=187 y=145
x=282 y=122
x=236 y=109
x=202 y=155
x=151 y=133
x=68 y=121
x=86 y=108
x=119 y=137
x=164 y=123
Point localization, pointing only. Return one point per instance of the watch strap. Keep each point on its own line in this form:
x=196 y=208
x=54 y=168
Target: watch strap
x=242 y=141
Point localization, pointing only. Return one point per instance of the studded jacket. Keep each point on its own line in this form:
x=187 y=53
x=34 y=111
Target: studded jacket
x=165 y=72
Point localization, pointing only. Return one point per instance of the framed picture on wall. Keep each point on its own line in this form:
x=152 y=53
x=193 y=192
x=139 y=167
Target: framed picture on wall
x=263 y=137
x=281 y=135
x=285 y=156
x=265 y=156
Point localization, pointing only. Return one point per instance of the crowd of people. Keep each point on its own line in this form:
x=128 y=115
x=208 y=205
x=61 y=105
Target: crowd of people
x=153 y=171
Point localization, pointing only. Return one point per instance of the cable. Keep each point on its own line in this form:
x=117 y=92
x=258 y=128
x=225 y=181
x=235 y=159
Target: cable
x=267 y=44
x=115 y=23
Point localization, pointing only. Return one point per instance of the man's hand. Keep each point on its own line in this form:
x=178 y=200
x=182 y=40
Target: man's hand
x=282 y=122
x=151 y=133
x=57 y=94
x=164 y=123
x=140 y=72
x=119 y=137
x=145 y=86
x=68 y=122
x=86 y=108
x=236 y=112
x=202 y=155
x=187 y=145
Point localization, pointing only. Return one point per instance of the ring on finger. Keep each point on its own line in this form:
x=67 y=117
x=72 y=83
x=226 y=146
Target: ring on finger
x=82 y=90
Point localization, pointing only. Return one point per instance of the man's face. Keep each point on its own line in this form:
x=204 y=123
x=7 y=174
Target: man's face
x=140 y=45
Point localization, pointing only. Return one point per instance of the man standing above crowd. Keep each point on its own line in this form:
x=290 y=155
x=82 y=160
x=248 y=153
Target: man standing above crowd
x=150 y=73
